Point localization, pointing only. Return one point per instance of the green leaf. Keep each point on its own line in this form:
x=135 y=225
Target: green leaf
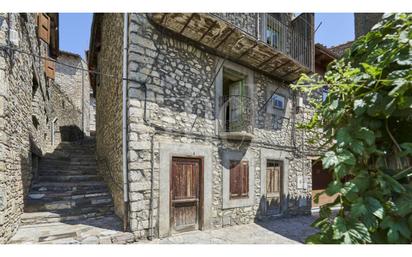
x=333 y=188
x=401 y=85
x=358 y=209
x=372 y=70
x=366 y=135
x=343 y=137
x=357 y=147
x=329 y=160
x=359 y=107
x=374 y=206
x=346 y=157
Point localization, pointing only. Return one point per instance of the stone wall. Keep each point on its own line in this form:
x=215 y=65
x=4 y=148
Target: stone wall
x=180 y=108
x=24 y=115
x=365 y=21
x=66 y=117
x=109 y=108
x=74 y=82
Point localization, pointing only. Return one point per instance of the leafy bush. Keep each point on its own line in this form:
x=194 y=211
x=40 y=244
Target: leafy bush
x=366 y=120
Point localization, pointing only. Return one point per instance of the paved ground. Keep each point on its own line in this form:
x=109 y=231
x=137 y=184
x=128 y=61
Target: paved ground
x=108 y=230
x=281 y=231
x=105 y=230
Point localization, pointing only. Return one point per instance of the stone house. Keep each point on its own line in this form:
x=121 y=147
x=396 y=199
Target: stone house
x=195 y=118
x=31 y=98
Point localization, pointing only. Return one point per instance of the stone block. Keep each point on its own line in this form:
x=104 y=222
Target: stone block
x=139 y=186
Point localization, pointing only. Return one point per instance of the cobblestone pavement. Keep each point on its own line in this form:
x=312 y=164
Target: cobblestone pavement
x=291 y=230
x=105 y=230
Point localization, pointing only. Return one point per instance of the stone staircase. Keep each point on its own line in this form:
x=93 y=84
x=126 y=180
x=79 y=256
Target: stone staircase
x=69 y=202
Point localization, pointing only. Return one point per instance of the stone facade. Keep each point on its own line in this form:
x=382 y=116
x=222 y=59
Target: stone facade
x=29 y=103
x=74 y=82
x=365 y=21
x=109 y=106
x=174 y=110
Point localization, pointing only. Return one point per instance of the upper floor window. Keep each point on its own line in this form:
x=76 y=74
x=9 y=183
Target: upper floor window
x=278 y=101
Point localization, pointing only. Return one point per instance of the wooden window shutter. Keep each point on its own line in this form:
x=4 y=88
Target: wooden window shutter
x=43 y=29
x=245 y=178
x=239 y=179
x=49 y=69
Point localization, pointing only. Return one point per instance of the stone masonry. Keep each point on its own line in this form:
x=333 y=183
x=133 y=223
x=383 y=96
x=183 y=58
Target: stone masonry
x=177 y=115
x=74 y=82
x=29 y=102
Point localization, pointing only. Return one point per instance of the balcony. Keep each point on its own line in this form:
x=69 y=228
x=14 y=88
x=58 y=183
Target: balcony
x=275 y=49
x=236 y=118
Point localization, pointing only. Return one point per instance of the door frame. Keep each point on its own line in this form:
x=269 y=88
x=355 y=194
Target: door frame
x=275 y=155
x=201 y=191
x=281 y=177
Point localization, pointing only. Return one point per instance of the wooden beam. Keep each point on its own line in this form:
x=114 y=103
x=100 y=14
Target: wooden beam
x=187 y=23
x=279 y=66
x=290 y=72
x=163 y=19
x=268 y=60
x=226 y=37
x=208 y=30
x=247 y=51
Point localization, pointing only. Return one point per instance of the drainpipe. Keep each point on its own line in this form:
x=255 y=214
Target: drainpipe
x=124 y=121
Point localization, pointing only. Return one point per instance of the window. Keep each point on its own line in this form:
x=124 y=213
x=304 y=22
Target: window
x=239 y=179
x=278 y=101
x=272 y=37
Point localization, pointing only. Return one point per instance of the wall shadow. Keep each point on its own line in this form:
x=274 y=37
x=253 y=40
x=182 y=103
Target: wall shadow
x=293 y=221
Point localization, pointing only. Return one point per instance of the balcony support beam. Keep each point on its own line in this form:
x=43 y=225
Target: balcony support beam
x=226 y=37
x=280 y=66
x=208 y=30
x=290 y=72
x=187 y=23
x=247 y=51
x=267 y=60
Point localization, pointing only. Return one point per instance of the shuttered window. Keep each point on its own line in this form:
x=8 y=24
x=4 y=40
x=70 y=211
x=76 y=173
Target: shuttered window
x=49 y=68
x=239 y=179
x=43 y=29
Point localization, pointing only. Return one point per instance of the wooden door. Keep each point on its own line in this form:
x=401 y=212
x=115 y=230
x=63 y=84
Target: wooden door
x=185 y=195
x=274 y=187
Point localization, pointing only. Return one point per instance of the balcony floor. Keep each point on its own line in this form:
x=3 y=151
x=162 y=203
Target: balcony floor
x=224 y=39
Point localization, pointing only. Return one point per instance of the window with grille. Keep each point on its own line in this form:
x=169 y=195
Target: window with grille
x=239 y=179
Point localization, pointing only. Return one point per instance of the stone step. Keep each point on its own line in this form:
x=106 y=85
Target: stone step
x=30 y=218
x=66 y=162
x=40 y=205
x=69 y=186
x=67 y=172
x=68 y=178
x=67 y=167
x=69 y=158
x=105 y=229
x=69 y=195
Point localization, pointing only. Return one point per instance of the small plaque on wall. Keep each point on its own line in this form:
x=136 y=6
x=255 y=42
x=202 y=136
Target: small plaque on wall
x=300 y=182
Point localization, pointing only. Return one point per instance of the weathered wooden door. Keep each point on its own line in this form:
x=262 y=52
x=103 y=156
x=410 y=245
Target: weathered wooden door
x=274 y=187
x=185 y=194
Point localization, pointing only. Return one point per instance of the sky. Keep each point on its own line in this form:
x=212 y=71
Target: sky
x=336 y=28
